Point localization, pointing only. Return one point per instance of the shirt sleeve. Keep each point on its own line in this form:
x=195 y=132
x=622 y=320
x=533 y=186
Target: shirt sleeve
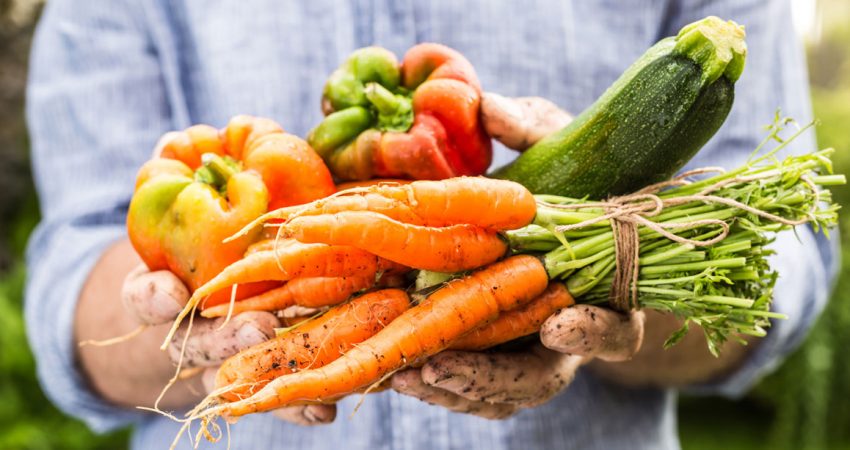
x=774 y=78
x=96 y=105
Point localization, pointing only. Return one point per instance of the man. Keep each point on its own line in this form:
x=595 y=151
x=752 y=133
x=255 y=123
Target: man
x=109 y=78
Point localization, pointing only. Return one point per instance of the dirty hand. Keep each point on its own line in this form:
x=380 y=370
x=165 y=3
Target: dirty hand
x=155 y=298
x=497 y=385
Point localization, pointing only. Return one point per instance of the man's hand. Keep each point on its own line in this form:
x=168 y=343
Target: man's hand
x=156 y=298
x=520 y=122
x=134 y=372
x=497 y=385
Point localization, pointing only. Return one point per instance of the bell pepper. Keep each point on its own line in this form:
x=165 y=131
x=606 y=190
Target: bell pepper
x=415 y=120
x=204 y=185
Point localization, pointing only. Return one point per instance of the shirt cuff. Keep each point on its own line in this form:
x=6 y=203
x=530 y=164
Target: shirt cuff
x=60 y=258
x=801 y=292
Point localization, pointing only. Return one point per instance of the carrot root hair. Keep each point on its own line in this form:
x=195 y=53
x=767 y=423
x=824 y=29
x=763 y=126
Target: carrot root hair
x=116 y=340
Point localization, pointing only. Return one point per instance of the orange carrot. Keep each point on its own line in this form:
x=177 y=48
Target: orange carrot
x=365 y=201
x=297 y=261
x=447 y=249
x=311 y=344
x=293 y=261
x=362 y=201
x=265 y=245
x=369 y=183
x=492 y=204
x=519 y=322
x=489 y=203
x=308 y=292
x=260 y=246
x=420 y=332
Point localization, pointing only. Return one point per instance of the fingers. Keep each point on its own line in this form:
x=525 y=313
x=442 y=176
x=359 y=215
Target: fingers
x=520 y=122
x=208 y=379
x=410 y=382
x=523 y=378
x=297 y=311
x=591 y=331
x=209 y=344
x=153 y=298
x=327 y=108
x=307 y=415
x=299 y=415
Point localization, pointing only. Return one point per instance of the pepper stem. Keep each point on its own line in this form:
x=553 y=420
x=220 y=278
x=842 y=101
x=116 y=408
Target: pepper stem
x=216 y=170
x=395 y=112
x=382 y=99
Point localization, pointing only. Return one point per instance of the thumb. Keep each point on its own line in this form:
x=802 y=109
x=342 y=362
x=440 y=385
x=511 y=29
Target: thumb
x=592 y=331
x=211 y=341
x=520 y=122
x=153 y=298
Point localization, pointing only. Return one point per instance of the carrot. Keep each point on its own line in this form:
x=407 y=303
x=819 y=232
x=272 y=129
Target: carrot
x=314 y=292
x=448 y=249
x=311 y=344
x=519 y=322
x=362 y=201
x=264 y=245
x=366 y=201
x=492 y=204
x=293 y=261
x=368 y=183
x=422 y=331
x=297 y=261
x=488 y=203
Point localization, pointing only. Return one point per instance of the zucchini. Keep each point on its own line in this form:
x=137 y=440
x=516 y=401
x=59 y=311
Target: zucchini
x=648 y=124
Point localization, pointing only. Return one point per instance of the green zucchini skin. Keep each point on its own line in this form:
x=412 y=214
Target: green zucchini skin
x=642 y=130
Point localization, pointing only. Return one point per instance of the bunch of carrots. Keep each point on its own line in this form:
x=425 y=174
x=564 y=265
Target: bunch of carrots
x=492 y=262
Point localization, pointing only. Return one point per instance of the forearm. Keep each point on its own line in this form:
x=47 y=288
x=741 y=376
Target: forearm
x=130 y=373
x=686 y=363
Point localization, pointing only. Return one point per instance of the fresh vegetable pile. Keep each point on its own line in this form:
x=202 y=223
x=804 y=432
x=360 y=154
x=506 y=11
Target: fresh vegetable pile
x=702 y=256
x=402 y=270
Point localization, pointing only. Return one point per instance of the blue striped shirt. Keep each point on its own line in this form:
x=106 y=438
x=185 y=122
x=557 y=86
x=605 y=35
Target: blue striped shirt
x=109 y=77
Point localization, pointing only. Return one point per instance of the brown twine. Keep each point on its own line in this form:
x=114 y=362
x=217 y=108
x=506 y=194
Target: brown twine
x=627 y=212
x=623 y=294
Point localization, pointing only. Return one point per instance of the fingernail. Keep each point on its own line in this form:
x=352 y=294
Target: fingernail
x=208 y=379
x=561 y=333
x=310 y=415
x=453 y=383
x=400 y=382
x=567 y=344
x=506 y=104
x=249 y=335
x=166 y=304
x=316 y=414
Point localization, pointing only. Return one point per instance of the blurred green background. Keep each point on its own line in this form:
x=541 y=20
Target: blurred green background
x=804 y=405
